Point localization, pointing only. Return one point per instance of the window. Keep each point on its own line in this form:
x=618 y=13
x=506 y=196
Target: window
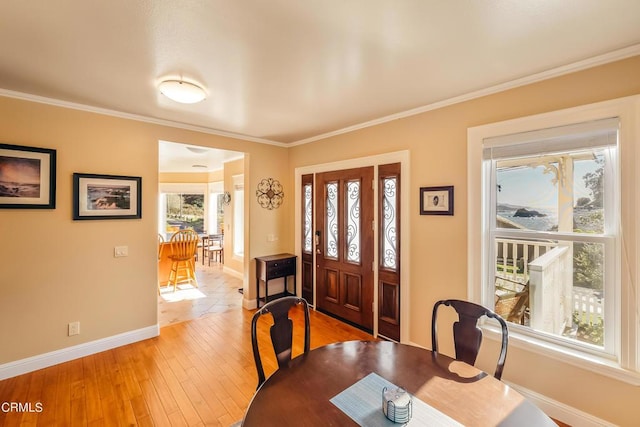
x=552 y=238
x=238 y=215
x=553 y=234
x=215 y=211
x=181 y=206
x=184 y=211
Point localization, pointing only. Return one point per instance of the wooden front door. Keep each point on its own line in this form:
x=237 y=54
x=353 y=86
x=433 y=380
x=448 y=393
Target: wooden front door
x=344 y=245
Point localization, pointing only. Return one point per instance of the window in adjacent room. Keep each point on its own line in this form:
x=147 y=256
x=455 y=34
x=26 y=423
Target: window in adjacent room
x=238 y=215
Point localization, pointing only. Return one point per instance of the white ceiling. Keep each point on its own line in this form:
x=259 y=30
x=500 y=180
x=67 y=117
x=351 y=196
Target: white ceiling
x=288 y=71
x=176 y=157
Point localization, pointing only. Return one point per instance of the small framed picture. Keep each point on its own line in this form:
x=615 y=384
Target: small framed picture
x=436 y=200
x=27 y=177
x=106 y=196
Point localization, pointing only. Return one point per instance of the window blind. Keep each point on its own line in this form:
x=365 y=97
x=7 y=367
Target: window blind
x=594 y=134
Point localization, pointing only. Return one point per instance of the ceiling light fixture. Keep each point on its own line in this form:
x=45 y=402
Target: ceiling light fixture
x=181 y=91
x=198 y=150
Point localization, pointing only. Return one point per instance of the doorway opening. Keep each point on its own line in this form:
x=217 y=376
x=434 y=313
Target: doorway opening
x=196 y=189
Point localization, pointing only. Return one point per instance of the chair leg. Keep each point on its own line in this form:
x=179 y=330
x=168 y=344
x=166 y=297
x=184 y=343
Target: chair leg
x=193 y=275
x=193 y=272
x=187 y=267
x=173 y=274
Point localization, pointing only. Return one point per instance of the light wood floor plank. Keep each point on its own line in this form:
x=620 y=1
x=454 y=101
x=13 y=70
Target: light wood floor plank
x=156 y=410
x=199 y=372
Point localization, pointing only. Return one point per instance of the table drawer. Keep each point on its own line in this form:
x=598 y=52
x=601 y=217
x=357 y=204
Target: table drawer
x=281 y=270
x=280 y=262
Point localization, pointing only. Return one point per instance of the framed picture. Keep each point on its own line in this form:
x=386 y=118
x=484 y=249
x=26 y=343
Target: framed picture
x=106 y=196
x=436 y=200
x=27 y=177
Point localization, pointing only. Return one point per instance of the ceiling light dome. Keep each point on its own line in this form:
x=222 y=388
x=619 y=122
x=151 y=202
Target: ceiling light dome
x=181 y=91
x=198 y=150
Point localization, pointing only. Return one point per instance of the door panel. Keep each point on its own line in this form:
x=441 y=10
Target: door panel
x=344 y=247
x=352 y=291
x=389 y=251
x=307 y=238
x=331 y=282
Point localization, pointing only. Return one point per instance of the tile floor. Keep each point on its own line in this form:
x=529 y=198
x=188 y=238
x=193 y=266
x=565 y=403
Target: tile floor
x=217 y=292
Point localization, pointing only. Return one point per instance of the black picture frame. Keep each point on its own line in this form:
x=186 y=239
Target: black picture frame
x=106 y=197
x=436 y=200
x=27 y=177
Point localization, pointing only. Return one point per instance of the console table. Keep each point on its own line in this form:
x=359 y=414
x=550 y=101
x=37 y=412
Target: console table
x=273 y=267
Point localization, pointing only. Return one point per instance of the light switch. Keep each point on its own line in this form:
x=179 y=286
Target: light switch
x=121 y=251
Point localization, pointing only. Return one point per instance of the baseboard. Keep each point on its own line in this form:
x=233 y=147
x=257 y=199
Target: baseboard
x=232 y=272
x=559 y=411
x=45 y=360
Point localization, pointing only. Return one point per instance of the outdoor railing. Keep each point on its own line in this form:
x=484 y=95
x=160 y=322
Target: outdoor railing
x=550 y=286
x=554 y=304
x=588 y=305
x=514 y=256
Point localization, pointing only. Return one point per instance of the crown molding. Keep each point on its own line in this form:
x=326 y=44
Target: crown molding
x=606 y=58
x=107 y=112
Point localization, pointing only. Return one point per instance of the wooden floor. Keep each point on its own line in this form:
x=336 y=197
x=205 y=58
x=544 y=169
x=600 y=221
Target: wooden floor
x=198 y=372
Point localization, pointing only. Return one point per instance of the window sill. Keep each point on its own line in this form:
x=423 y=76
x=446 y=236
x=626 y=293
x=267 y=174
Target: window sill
x=599 y=365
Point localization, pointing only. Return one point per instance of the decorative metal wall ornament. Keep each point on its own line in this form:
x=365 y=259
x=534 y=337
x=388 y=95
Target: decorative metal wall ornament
x=226 y=198
x=270 y=193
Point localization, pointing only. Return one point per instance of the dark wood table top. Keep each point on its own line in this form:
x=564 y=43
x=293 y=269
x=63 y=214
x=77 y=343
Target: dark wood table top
x=300 y=395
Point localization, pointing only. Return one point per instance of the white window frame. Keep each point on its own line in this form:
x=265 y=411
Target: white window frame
x=214 y=189
x=624 y=363
x=238 y=216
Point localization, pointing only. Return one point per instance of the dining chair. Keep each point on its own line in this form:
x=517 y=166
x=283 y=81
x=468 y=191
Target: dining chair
x=184 y=245
x=281 y=331
x=216 y=247
x=160 y=247
x=467 y=337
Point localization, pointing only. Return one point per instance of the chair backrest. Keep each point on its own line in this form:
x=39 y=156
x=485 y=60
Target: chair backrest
x=467 y=337
x=160 y=242
x=281 y=331
x=184 y=244
x=216 y=240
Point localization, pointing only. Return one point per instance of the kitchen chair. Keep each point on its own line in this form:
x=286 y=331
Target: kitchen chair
x=160 y=246
x=467 y=336
x=281 y=331
x=216 y=247
x=184 y=244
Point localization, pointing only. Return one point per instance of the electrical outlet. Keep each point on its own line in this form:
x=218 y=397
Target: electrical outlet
x=74 y=328
x=120 y=251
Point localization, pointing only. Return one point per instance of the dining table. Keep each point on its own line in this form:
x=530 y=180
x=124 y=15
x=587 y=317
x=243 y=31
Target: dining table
x=342 y=384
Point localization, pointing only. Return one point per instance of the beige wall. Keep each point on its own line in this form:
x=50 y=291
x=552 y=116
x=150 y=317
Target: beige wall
x=437 y=141
x=57 y=270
